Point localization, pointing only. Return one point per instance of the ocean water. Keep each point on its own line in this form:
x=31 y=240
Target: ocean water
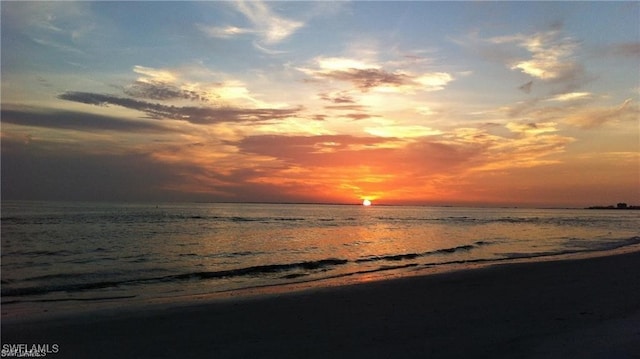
x=69 y=253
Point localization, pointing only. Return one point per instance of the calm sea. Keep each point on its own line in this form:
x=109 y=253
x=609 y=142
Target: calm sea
x=55 y=252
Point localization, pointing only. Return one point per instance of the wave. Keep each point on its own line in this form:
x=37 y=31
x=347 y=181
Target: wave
x=42 y=253
x=272 y=268
x=408 y=256
x=39 y=290
x=535 y=220
x=73 y=283
x=136 y=217
x=68 y=299
x=322 y=264
x=290 y=270
x=578 y=248
x=12 y=219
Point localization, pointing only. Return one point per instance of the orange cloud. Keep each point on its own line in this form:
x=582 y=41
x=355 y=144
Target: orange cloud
x=429 y=167
x=590 y=118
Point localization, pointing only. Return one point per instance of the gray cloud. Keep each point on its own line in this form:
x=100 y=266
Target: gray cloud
x=44 y=170
x=26 y=116
x=196 y=115
x=161 y=91
x=47 y=171
x=358 y=116
x=346 y=107
x=631 y=49
x=366 y=79
x=286 y=147
x=338 y=98
x=423 y=157
x=526 y=88
x=620 y=50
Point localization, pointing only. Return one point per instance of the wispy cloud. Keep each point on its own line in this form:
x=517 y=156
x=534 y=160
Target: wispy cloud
x=346 y=107
x=225 y=31
x=400 y=131
x=531 y=128
x=552 y=54
x=595 y=117
x=627 y=49
x=359 y=116
x=571 y=96
x=62 y=26
x=58 y=45
x=337 y=97
x=270 y=27
x=368 y=76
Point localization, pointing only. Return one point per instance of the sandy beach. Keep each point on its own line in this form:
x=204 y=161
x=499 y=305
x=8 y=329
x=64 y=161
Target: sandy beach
x=577 y=308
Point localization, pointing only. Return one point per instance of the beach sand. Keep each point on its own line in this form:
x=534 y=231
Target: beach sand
x=580 y=308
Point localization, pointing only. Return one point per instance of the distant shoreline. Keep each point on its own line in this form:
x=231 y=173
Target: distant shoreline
x=614 y=207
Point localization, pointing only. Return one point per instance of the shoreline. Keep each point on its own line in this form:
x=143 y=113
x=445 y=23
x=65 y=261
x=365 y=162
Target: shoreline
x=111 y=305
x=575 y=306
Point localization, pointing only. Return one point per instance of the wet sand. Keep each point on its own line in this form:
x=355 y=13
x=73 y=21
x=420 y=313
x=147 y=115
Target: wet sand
x=580 y=308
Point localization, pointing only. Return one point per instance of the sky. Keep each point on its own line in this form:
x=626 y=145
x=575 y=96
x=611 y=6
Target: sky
x=434 y=103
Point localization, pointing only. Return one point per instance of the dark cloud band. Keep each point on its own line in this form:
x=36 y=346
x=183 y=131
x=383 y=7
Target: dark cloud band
x=75 y=120
x=192 y=114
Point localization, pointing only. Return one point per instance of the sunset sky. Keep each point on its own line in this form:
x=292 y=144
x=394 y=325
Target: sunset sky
x=462 y=103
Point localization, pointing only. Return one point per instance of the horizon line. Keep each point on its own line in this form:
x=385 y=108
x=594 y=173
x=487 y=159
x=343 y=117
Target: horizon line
x=374 y=204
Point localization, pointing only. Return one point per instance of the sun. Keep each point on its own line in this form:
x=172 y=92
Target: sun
x=366 y=202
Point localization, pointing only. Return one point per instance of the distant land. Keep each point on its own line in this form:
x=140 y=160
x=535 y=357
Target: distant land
x=617 y=206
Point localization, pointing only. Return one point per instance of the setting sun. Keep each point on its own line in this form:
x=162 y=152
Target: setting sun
x=366 y=202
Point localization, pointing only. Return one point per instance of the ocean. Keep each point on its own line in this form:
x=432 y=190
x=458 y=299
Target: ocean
x=58 y=255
